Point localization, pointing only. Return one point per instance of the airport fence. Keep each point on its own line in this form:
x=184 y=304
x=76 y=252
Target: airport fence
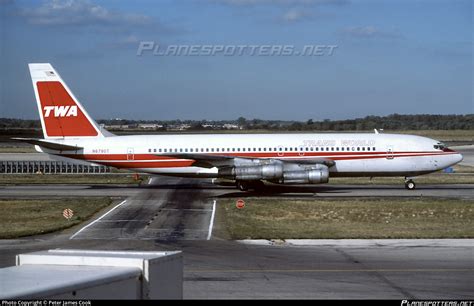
x=49 y=167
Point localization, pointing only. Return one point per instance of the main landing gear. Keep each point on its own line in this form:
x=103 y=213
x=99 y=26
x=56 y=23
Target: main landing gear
x=410 y=184
x=246 y=185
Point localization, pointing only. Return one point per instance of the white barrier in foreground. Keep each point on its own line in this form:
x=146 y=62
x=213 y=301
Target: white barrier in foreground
x=81 y=274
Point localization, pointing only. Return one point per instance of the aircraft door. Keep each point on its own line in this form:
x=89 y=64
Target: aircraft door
x=130 y=155
x=390 y=152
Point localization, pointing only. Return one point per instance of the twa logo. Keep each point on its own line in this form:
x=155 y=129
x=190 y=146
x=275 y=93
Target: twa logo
x=60 y=111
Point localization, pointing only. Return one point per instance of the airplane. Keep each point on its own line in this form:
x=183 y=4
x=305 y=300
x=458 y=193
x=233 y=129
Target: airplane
x=249 y=160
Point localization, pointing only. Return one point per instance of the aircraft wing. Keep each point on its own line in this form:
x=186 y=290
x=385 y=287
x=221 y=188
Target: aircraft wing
x=210 y=161
x=204 y=160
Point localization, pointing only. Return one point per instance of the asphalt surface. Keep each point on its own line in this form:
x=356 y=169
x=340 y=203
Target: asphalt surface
x=467 y=153
x=181 y=212
x=226 y=269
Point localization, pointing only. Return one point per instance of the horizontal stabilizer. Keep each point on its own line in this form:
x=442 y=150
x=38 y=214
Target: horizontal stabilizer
x=49 y=144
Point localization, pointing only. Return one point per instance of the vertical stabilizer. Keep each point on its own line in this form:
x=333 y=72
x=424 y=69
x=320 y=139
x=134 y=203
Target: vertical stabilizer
x=60 y=112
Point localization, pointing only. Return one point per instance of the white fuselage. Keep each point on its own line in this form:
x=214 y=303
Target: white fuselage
x=354 y=154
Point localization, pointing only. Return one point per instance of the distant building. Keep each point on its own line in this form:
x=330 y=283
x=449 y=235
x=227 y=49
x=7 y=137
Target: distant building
x=117 y=126
x=150 y=126
x=179 y=127
x=230 y=126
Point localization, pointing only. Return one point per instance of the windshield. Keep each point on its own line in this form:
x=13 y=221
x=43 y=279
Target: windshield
x=440 y=146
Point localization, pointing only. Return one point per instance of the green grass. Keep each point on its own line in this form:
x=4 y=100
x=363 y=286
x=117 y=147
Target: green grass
x=31 y=217
x=17 y=179
x=266 y=218
x=17 y=149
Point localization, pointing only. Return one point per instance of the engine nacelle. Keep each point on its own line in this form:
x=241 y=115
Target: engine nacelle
x=253 y=173
x=311 y=176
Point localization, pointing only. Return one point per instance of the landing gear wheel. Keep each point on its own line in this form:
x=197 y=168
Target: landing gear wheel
x=410 y=185
x=243 y=186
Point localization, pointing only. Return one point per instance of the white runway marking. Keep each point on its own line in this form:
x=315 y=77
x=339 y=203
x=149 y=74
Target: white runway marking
x=77 y=233
x=211 y=224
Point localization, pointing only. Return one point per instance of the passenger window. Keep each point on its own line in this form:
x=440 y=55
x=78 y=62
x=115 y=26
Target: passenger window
x=154 y=150
x=149 y=150
x=159 y=150
x=358 y=149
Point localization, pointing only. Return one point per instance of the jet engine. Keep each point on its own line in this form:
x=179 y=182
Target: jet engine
x=253 y=173
x=280 y=173
x=312 y=176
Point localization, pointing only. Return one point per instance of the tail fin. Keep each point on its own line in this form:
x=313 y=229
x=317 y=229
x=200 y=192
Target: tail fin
x=61 y=113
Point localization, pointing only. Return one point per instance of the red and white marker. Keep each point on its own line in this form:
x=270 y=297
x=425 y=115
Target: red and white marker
x=68 y=213
x=240 y=204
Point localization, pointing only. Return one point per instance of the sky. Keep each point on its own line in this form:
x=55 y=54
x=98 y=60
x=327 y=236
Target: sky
x=374 y=57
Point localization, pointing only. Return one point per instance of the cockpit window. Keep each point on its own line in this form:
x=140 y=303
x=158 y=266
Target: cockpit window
x=440 y=146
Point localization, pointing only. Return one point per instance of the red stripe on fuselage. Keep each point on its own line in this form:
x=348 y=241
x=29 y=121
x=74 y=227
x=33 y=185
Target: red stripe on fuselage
x=163 y=161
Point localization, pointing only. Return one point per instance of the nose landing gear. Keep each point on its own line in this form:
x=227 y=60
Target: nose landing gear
x=410 y=184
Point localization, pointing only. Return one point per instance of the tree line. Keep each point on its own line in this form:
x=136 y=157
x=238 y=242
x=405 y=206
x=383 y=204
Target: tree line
x=390 y=122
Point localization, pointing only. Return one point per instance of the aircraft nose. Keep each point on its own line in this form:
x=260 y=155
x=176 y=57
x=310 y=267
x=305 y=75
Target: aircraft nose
x=454 y=156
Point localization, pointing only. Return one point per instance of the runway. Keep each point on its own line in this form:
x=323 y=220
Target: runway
x=178 y=214
x=467 y=153
x=168 y=214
